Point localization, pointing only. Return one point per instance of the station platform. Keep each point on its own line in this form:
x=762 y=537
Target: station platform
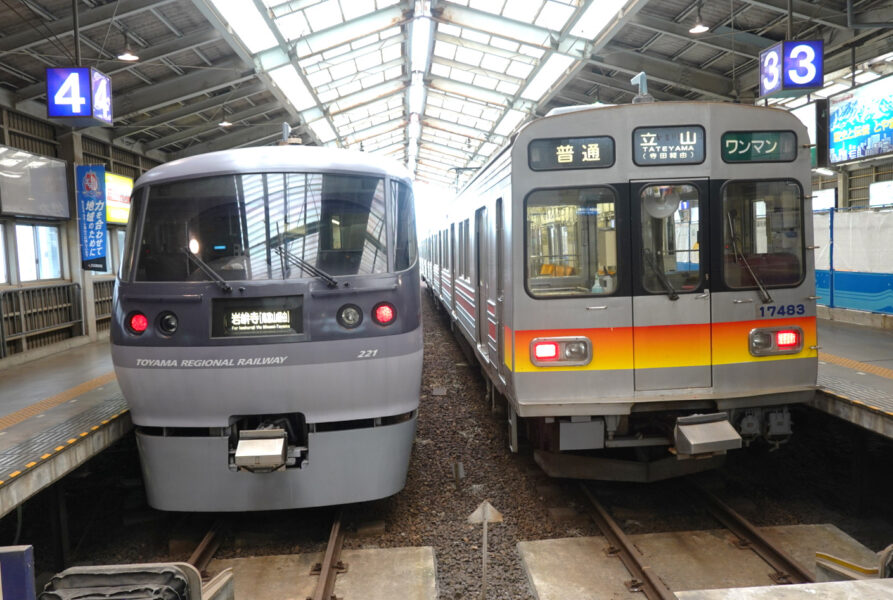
x=56 y=413
x=856 y=375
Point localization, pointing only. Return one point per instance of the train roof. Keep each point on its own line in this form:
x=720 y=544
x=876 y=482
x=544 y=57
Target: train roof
x=275 y=159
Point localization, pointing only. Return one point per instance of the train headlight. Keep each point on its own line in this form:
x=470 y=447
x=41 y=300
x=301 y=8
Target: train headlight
x=137 y=322
x=771 y=341
x=349 y=316
x=560 y=352
x=384 y=313
x=168 y=323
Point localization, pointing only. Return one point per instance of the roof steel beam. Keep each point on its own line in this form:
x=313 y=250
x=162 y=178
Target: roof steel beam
x=253 y=87
x=666 y=71
x=623 y=85
x=503 y=27
x=204 y=128
x=252 y=135
x=804 y=10
x=676 y=30
x=467 y=90
x=367 y=96
x=87 y=19
x=177 y=89
x=306 y=46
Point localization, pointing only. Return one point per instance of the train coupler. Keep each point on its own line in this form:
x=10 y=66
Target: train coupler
x=704 y=435
x=262 y=450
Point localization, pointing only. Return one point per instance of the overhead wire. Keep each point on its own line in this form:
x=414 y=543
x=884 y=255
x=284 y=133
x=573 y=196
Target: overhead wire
x=52 y=38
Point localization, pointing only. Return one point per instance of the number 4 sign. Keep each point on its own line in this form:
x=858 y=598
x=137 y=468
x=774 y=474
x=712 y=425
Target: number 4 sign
x=79 y=92
x=791 y=68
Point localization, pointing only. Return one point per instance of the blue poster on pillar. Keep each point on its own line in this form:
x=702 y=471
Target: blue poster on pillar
x=91 y=216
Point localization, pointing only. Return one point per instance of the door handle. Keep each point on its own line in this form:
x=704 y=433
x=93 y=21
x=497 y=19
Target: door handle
x=702 y=296
x=596 y=308
x=744 y=301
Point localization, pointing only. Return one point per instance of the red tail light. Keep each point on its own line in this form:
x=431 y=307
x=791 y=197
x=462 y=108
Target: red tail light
x=138 y=323
x=384 y=313
x=545 y=350
x=787 y=338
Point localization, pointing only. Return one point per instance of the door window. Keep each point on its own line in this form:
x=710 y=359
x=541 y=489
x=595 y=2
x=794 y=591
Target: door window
x=670 y=238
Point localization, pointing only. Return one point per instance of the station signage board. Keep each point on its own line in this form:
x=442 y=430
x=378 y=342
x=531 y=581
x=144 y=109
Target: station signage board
x=860 y=122
x=555 y=154
x=683 y=145
x=758 y=146
x=90 y=181
x=792 y=68
x=82 y=94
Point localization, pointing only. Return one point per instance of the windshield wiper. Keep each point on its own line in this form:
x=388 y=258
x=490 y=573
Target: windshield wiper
x=764 y=293
x=303 y=264
x=214 y=275
x=671 y=291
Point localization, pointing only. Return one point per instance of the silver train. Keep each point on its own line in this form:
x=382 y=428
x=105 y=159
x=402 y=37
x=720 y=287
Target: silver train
x=267 y=329
x=638 y=283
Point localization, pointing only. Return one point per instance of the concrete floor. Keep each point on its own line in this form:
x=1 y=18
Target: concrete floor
x=579 y=569
x=372 y=574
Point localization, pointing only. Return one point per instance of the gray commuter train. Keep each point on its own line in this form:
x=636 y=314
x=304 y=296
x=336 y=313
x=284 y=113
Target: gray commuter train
x=638 y=283
x=267 y=328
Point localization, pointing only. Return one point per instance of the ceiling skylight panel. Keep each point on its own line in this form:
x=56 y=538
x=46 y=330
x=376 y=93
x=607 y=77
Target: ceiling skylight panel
x=324 y=15
x=293 y=87
x=393 y=72
x=386 y=3
x=596 y=18
x=328 y=96
x=485 y=82
x=333 y=52
x=343 y=70
x=392 y=52
x=318 y=79
x=488 y=149
x=508 y=88
x=293 y=26
x=469 y=57
x=522 y=11
x=351 y=87
x=554 y=15
x=323 y=130
x=504 y=44
x=531 y=51
x=444 y=50
x=249 y=25
x=463 y=76
x=449 y=29
x=369 y=61
x=372 y=80
x=553 y=69
x=476 y=36
x=356 y=8
x=390 y=32
x=519 y=70
x=494 y=63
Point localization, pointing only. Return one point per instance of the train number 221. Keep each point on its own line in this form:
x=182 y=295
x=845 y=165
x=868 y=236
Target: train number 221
x=783 y=310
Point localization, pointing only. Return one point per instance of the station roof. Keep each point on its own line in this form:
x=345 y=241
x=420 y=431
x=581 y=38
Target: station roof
x=438 y=85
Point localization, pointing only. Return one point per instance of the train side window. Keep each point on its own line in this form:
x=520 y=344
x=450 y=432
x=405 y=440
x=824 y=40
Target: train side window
x=406 y=250
x=670 y=248
x=571 y=242
x=762 y=233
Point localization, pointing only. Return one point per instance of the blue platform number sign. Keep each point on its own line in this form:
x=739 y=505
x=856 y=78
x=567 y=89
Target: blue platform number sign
x=79 y=92
x=91 y=216
x=791 y=68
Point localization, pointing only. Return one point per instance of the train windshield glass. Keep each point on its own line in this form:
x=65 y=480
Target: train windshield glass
x=571 y=242
x=264 y=226
x=670 y=248
x=762 y=234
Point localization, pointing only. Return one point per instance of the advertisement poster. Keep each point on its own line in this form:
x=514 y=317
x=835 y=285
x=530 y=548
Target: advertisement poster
x=91 y=216
x=860 y=122
x=117 y=198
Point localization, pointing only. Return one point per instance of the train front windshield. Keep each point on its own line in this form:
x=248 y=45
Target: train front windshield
x=264 y=226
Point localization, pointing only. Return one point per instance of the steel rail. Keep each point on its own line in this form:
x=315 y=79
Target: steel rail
x=204 y=552
x=644 y=579
x=787 y=569
x=331 y=565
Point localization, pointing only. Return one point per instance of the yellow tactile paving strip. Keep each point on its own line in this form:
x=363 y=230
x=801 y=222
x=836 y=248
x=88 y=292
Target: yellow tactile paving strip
x=858 y=366
x=48 y=403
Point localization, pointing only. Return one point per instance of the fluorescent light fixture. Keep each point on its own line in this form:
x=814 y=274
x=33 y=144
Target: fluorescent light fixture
x=128 y=56
x=830 y=90
x=824 y=171
x=550 y=72
x=224 y=123
x=417 y=94
x=420 y=35
x=323 y=130
x=699 y=27
x=293 y=87
x=866 y=77
x=509 y=122
x=247 y=23
x=596 y=18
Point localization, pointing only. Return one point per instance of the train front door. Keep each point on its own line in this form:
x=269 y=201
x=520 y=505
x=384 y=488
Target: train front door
x=671 y=287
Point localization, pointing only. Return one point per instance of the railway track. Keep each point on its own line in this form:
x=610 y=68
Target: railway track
x=646 y=580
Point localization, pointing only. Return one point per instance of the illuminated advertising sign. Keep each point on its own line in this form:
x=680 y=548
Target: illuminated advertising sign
x=668 y=145
x=792 y=68
x=860 y=122
x=759 y=146
x=571 y=153
x=91 y=215
x=117 y=198
x=79 y=92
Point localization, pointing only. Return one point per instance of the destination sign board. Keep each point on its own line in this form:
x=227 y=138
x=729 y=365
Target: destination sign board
x=759 y=146
x=596 y=152
x=682 y=145
x=280 y=315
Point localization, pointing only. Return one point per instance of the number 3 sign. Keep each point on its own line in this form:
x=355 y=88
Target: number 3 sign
x=791 y=68
x=79 y=92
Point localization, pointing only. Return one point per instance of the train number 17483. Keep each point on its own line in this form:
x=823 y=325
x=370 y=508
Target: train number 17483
x=782 y=310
